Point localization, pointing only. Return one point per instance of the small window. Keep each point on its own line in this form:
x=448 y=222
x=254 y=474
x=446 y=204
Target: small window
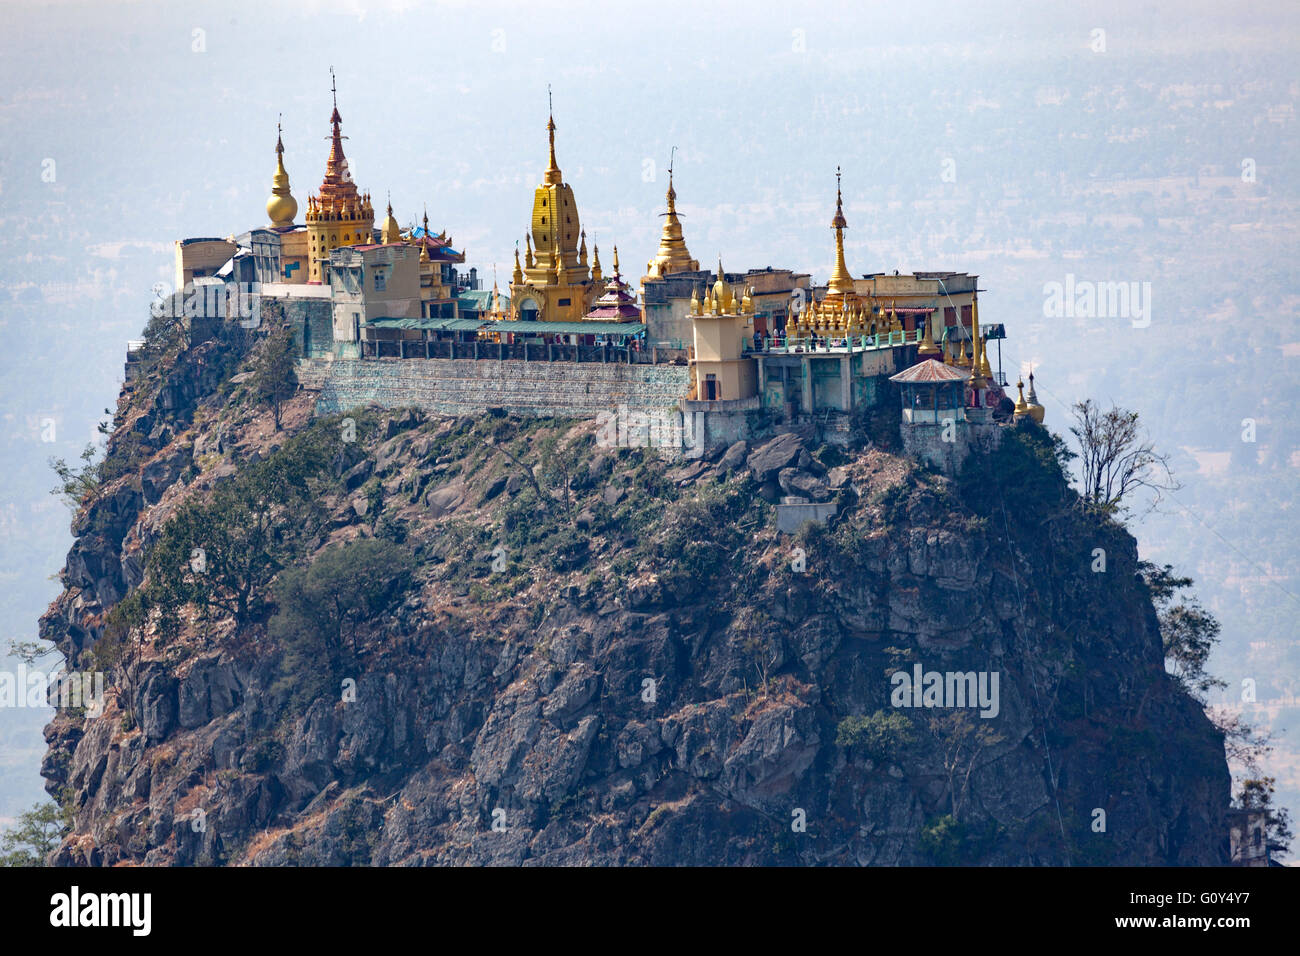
x=565 y=301
x=543 y=220
x=381 y=280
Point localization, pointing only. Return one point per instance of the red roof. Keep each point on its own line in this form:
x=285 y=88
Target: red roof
x=617 y=303
x=930 y=372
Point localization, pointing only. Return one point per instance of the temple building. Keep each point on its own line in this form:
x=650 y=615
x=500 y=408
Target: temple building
x=339 y=214
x=281 y=208
x=723 y=321
x=673 y=256
x=742 y=353
x=554 y=284
x=617 y=304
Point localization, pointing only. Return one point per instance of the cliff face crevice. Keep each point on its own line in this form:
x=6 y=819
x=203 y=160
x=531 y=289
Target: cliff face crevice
x=600 y=657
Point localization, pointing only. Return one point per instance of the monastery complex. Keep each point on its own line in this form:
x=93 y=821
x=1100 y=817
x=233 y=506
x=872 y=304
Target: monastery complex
x=388 y=315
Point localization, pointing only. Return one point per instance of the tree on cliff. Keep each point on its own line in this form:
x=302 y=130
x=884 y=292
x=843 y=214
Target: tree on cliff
x=1187 y=630
x=78 y=484
x=1115 y=458
x=275 y=378
x=38 y=832
x=1258 y=795
x=319 y=607
x=220 y=554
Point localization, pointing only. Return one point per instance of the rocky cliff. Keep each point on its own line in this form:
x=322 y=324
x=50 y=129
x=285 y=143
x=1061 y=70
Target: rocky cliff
x=580 y=655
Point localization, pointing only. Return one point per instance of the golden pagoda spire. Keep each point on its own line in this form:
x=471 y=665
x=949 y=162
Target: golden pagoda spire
x=695 y=301
x=529 y=260
x=841 y=282
x=747 y=301
x=390 y=231
x=595 y=263
x=1022 y=407
x=517 y=278
x=582 y=250
x=673 y=256
x=977 y=356
x=616 y=262
x=986 y=370
x=553 y=176
x=1036 y=411
x=722 y=291
x=281 y=207
x=928 y=349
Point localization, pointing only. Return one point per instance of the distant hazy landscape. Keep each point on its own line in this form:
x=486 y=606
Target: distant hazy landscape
x=1022 y=145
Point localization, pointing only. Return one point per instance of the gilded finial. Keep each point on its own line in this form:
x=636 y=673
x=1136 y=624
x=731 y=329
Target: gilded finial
x=281 y=207
x=552 y=170
x=1022 y=407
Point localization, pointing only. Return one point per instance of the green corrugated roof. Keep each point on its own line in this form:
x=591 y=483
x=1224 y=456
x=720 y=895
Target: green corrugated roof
x=432 y=324
x=568 y=328
x=480 y=300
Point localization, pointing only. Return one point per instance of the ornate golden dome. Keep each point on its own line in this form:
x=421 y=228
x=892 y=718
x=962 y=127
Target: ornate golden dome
x=390 y=231
x=722 y=291
x=281 y=207
x=1022 y=407
x=1035 y=410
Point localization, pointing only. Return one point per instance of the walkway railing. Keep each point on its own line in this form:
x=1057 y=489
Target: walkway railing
x=823 y=343
x=521 y=351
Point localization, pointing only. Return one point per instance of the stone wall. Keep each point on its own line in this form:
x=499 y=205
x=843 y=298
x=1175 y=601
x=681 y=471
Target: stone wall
x=469 y=386
x=925 y=441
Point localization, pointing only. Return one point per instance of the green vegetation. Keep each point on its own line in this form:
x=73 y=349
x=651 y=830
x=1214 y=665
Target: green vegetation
x=221 y=553
x=1116 y=460
x=38 y=832
x=1187 y=630
x=274 y=377
x=78 y=484
x=1258 y=795
x=882 y=736
x=945 y=841
x=321 y=606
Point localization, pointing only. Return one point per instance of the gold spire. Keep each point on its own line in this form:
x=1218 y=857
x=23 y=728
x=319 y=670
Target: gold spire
x=582 y=250
x=695 y=301
x=281 y=207
x=616 y=261
x=841 y=282
x=977 y=356
x=529 y=260
x=963 y=357
x=986 y=370
x=1036 y=411
x=390 y=231
x=595 y=263
x=1022 y=407
x=928 y=349
x=517 y=277
x=747 y=302
x=722 y=291
x=673 y=256
x=553 y=176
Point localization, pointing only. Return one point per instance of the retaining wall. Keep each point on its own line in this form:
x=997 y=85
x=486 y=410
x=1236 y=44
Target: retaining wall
x=472 y=386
